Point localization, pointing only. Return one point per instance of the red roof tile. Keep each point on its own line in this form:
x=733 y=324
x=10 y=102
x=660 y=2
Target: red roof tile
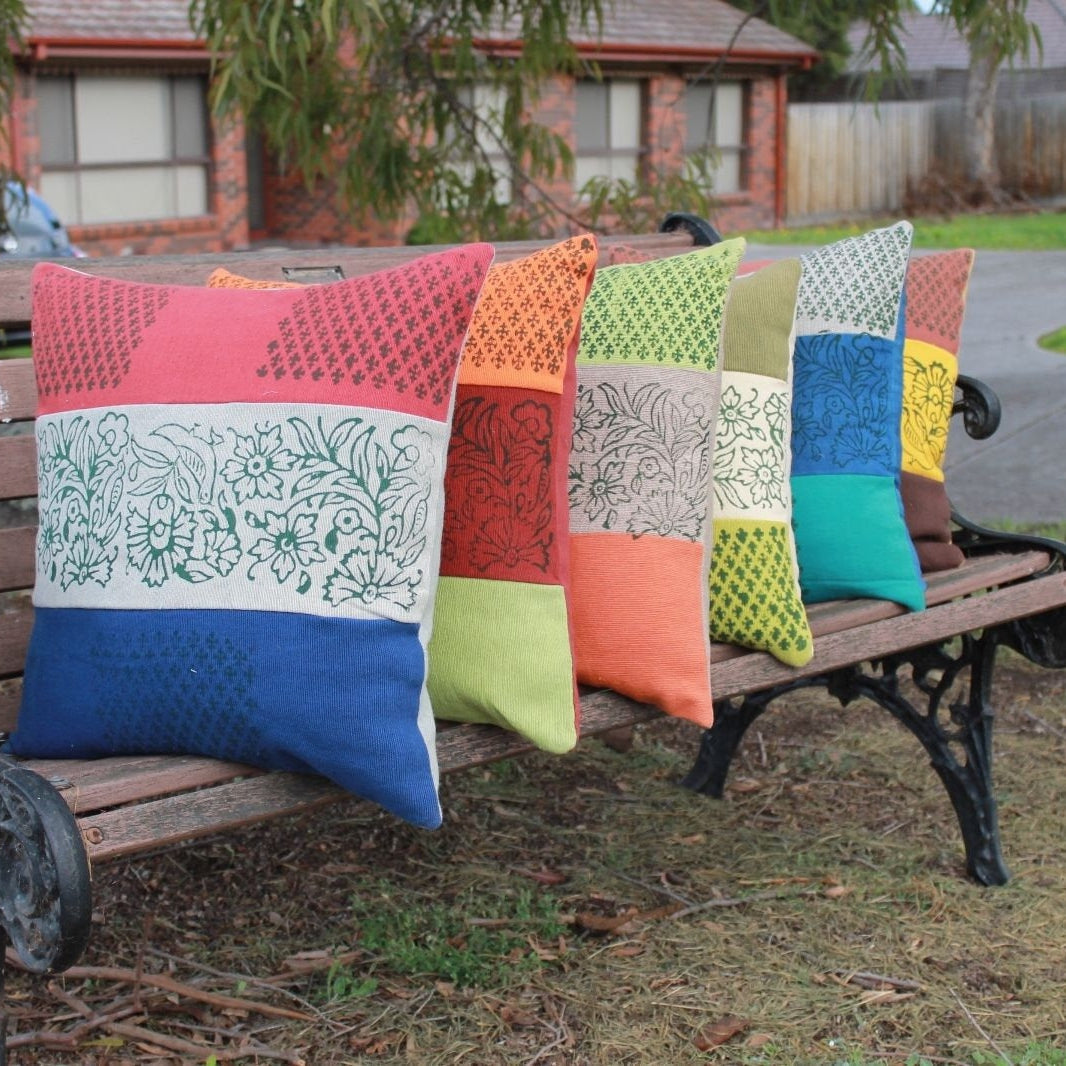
x=685 y=27
x=110 y=20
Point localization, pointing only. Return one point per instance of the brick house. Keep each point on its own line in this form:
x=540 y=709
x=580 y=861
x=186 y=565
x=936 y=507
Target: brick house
x=111 y=124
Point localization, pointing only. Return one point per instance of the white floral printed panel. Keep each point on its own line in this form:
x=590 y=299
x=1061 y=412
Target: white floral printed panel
x=641 y=454
x=314 y=509
x=752 y=448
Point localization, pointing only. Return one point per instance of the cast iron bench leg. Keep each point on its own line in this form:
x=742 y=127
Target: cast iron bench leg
x=960 y=747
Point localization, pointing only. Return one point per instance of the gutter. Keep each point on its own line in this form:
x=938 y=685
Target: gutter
x=42 y=49
x=669 y=53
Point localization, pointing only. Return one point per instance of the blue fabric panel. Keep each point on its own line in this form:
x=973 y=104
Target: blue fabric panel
x=850 y=541
x=337 y=697
x=847 y=404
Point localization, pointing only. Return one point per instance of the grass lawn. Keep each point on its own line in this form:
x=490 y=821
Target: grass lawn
x=1055 y=341
x=1040 y=231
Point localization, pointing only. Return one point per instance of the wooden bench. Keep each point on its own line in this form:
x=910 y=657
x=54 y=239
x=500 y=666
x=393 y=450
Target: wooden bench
x=58 y=819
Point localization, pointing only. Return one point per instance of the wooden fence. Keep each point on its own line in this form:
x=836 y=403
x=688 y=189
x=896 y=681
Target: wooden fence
x=850 y=160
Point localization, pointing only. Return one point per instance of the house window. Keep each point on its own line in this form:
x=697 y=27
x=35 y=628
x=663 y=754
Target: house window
x=608 y=141
x=123 y=149
x=714 y=117
x=488 y=103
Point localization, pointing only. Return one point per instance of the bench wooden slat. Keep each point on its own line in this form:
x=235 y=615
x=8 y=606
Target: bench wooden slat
x=111 y=834
x=267 y=264
x=230 y=803
x=16 y=621
x=18 y=390
x=90 y=785
x=18 y=467
x=751 y=673
x=840 y=616
x=17 y=548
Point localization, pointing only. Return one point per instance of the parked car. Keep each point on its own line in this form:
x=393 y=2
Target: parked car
x=32 y=229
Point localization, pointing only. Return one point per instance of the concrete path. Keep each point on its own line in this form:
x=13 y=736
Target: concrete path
x=1020 y=472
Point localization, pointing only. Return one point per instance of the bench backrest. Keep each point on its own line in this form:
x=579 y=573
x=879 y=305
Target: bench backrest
x=18 y=392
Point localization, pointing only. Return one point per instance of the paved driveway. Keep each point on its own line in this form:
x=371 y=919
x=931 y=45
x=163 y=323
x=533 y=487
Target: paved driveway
x=1020 y=472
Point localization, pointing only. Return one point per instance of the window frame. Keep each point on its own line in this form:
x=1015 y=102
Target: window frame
x=172 y=162
x=733 y=152
x=637 y=152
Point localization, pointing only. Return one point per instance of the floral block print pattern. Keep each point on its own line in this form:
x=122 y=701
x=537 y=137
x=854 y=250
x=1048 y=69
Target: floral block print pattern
x=241 y=507
x=501 y=650
x=649 y=370
x=936 y=301
x=754 y=588
x=851 y=539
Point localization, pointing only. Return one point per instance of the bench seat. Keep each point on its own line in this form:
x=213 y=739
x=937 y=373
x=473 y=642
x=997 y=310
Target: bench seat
x=130 y=804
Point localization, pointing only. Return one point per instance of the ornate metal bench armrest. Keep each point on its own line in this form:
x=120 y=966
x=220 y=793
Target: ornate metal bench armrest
x=979 y=406
x=703 y=233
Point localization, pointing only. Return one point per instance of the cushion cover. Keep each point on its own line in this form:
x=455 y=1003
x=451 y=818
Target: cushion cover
x=649 y=369
x=936 y=302
x=755 y=593
x=851 y=539
x=241 y=499
x=755 y=596
x=501 y=650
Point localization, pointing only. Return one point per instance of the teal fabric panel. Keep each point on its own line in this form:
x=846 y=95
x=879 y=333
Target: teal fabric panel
x=850 y=542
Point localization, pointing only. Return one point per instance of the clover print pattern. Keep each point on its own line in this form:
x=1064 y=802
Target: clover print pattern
x=641 y=455
x=750 y=461
x=335 y=510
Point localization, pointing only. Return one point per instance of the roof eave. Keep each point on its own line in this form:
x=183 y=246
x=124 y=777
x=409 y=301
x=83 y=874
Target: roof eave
x=41 y=49
x=652 y=53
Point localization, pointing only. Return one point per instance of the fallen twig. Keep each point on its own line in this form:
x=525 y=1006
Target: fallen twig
x=875 y=981
x=179 y=988
x=740 y=901
x=977 y=1025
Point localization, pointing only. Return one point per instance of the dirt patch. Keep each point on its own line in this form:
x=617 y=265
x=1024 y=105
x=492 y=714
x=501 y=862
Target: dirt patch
x=585 y=910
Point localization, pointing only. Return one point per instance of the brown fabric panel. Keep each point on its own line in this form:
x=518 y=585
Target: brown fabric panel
x=928 y=514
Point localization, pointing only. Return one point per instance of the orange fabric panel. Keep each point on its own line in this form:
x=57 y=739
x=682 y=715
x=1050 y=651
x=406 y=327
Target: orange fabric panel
x=634 y=601
x=528 y=309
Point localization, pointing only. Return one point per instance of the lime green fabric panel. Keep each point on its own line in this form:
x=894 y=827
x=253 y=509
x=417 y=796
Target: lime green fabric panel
x=851 y=541
x=480 y=624
x=665 y=312
x=755 y=598
x=759 y=320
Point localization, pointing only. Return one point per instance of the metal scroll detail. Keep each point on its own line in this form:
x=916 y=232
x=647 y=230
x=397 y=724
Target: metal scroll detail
x=45 y=890
x=701 y=231
x=957 y=736
x=979 y=406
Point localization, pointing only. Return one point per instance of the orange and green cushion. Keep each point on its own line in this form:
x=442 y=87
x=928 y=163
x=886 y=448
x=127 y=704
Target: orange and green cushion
x=649 y=376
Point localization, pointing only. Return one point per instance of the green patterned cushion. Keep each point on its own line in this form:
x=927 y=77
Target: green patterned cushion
x=755 y=594
x=648 y=387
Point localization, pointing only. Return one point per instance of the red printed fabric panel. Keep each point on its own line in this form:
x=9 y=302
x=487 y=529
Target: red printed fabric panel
x=501 y=490
x=388 y=339
x=936 y=297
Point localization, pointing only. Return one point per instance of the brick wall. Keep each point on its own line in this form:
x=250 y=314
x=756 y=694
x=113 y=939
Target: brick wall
x=295 y=216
